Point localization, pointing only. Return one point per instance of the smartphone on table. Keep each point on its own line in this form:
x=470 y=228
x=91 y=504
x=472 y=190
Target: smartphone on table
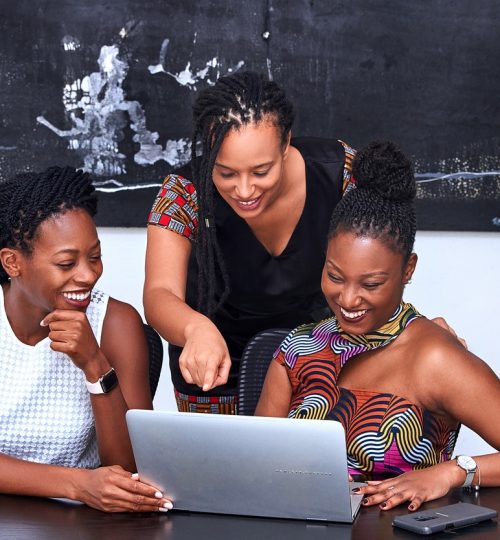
x=444 y=518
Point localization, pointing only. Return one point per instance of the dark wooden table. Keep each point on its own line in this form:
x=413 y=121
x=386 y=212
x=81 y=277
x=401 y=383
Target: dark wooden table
x=29 y=518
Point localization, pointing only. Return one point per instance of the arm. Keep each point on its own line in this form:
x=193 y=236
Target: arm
x=205 y=359
x=110 y=489
x=467 y=391
x=276 y=393
x=123 y=346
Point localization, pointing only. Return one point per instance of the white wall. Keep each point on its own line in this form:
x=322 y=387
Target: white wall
x=458 y=277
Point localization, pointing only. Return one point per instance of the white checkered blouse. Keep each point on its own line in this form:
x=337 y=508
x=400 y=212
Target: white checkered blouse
x=45 y=410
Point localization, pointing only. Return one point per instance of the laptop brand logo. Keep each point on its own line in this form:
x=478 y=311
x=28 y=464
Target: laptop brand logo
x=309 y=473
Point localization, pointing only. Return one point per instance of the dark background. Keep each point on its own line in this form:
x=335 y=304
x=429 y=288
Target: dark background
x=424 y=74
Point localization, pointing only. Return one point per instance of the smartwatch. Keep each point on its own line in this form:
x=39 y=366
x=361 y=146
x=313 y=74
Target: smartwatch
x=469 y=466
x=104 y=384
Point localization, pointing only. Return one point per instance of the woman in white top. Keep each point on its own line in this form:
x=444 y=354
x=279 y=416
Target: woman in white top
x=72 y=359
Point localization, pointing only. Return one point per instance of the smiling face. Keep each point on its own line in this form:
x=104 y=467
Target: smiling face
x=248 y=171
x=363 y=281
x=63 y=266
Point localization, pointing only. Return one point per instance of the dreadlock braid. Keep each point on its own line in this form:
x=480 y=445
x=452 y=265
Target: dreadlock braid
x=28 y=199
x=382 y=205
x=236 y=100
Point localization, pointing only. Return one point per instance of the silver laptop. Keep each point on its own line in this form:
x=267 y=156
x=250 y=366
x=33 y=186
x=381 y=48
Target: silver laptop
x=245 y=465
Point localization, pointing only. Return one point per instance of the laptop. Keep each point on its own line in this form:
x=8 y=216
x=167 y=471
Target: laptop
x=245 y=465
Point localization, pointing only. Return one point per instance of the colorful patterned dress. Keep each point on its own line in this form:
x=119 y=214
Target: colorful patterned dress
x=386 y=434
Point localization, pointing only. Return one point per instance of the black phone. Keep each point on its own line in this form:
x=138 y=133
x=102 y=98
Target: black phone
x=444 y=518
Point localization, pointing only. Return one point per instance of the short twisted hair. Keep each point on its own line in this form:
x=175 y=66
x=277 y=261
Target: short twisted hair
x=382 y=205
x=28 y=199
x=236 y=100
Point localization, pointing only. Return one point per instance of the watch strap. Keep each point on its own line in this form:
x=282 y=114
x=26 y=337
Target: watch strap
x=469 y=473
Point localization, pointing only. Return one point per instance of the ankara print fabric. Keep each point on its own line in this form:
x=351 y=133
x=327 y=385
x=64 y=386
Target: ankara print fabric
x=385 y=434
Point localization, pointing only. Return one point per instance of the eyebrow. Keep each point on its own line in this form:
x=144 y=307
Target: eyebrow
x=72 y=251
x=369 y=274
x=254 y=167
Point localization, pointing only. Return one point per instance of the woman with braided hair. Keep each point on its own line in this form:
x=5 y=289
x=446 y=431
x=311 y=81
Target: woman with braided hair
x=399 y=384
x=72 y=359
x=256 y=215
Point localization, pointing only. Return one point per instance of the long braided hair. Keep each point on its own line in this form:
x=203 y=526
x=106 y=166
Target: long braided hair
x=28 y=199
x=382 y=206
x=236 y=100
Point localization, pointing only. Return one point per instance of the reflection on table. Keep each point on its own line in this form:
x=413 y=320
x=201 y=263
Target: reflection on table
x=29 y=518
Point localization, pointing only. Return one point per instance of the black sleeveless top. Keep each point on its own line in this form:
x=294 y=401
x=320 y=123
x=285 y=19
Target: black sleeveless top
x=268 y=291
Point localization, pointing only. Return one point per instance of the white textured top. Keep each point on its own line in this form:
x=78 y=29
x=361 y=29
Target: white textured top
x=45 y=410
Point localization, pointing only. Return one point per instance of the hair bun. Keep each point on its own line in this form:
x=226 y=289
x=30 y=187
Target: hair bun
x=383 y=168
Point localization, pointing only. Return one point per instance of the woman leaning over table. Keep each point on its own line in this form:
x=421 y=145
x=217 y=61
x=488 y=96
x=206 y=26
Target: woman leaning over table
x=239 y=248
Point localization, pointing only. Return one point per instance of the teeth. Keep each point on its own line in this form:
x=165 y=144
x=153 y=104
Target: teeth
x=77 y=296
x=248 y=203
x=352 y=314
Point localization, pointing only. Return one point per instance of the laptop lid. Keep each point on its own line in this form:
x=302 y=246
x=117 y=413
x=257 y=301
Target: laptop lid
x=272 y=467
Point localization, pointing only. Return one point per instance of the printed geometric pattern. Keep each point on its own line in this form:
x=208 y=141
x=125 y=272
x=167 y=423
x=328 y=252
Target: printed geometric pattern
x=385 y=434
x=206 y=404
x=176 y=207
x=348 y=181
x=45 y=410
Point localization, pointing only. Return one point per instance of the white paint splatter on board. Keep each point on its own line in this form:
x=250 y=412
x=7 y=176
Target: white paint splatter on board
x=70 y=43
x=99 y=111
x=188 y=77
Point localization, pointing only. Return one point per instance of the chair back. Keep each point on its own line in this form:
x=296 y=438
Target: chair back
x=255 y=360
x=155 y=347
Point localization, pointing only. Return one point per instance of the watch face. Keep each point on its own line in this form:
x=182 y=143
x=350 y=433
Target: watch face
x=109 y=381
x=466 y=462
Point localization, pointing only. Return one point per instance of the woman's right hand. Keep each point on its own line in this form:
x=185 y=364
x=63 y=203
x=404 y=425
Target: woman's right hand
x=205 y=359
x=113 y=489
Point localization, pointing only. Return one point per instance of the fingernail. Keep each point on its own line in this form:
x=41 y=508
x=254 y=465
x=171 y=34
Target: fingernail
x=411 y=507
x=159 y=495
x=383 y=505
x=135 y=476
x=43 y=323
x=365 y=501
x=168 y=505
x=163 y=509
x=355 y=490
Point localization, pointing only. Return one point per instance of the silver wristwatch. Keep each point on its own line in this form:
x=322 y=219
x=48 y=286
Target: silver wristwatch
x=469 y=466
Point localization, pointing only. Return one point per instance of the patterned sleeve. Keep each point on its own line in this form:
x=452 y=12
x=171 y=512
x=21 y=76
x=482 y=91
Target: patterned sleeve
x=176 y=207
x=348 y=182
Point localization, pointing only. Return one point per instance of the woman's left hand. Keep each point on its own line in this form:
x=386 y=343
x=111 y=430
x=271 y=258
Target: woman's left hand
x=443 y=324
x=414 y=486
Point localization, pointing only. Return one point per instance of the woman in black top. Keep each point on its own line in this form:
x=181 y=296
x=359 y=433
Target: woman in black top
x=257 y=214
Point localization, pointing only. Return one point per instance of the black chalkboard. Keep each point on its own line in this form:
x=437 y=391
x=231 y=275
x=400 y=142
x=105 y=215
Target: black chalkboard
x=108 y=85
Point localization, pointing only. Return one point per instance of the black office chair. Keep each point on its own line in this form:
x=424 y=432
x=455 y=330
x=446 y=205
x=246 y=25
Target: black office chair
x=155 y=347
x=254 y=362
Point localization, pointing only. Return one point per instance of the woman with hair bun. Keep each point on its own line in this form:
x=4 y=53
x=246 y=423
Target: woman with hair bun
x=399 y=384
x=72 y=359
